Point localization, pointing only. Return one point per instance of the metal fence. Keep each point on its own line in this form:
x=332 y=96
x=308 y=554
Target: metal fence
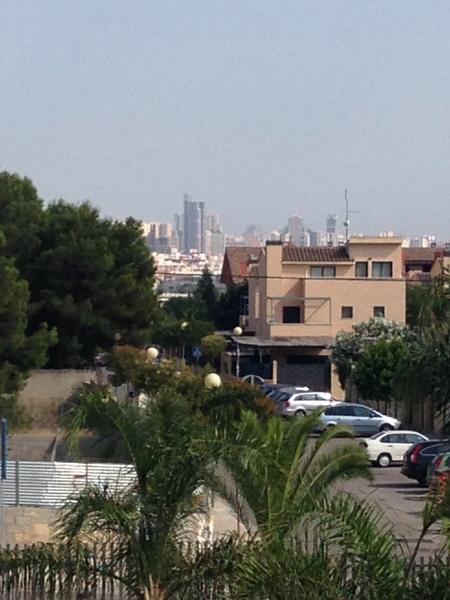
x=51 y=483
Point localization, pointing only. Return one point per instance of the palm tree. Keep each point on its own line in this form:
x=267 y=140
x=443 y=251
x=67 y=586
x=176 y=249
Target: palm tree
x=281 y=474
x=171 y=454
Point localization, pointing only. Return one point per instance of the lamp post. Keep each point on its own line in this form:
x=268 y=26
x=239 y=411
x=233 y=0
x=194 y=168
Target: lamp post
x=206 y=525
x=237 y=331
x=183 y=327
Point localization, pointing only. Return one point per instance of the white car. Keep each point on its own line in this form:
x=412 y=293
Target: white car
x=386 y=447
x=299 y=404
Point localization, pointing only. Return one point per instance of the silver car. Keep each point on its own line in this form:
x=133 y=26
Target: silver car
x=362 y=419
x=300 y=404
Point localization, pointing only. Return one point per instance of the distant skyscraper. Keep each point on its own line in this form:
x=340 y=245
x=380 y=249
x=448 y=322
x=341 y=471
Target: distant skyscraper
x=160 y=237
x=193 y=225
x=317 y=238
x=178 y=227
x=296 y=230
x=212 y=223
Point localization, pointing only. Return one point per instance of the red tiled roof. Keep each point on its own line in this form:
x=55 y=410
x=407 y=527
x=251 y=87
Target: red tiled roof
x=420 y=255
x=315 y=254
x=235 y=262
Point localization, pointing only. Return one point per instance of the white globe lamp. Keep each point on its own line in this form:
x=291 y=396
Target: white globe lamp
x=237 y=331
x=212 y=381
x=152 y=353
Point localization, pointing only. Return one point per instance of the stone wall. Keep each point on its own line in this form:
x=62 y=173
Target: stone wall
x=46 y=390
x=27 y=524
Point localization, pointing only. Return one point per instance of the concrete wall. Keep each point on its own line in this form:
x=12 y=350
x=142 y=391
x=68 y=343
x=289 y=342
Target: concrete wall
x=47 y=389
x=28 y=524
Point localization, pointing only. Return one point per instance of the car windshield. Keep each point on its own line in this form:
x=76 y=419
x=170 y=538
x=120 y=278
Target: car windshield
x=377 y=435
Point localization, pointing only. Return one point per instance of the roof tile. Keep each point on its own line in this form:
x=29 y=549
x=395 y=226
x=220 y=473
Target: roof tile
x=315 y=254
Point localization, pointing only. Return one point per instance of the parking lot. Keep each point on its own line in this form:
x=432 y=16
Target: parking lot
x=401 y=500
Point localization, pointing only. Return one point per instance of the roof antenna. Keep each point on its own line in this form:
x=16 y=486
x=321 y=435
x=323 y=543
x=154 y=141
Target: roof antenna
x=347 y=215
x=348 y=212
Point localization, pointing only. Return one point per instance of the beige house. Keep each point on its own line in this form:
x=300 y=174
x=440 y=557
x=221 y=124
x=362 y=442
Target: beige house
x=300 y=298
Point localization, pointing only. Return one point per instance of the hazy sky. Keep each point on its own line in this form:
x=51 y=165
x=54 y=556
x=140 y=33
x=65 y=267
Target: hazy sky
x=262 y=109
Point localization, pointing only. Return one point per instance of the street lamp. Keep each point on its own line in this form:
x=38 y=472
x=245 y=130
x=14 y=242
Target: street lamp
x=237 y=331
x=212 y=381
x=183 y=328
x=152 y=353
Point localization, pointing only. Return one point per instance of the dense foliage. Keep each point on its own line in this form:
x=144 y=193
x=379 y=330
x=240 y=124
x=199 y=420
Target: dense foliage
x=20 y=350
x=183 y=322
x=87 y=278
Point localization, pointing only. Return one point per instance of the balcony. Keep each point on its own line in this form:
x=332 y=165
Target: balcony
x=299 y=316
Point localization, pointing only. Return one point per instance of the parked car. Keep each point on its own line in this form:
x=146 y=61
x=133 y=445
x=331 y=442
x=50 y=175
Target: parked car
x=271 y=388
x=299 y=404
x=439 y=468
x=420 y=456
x=362 y=419
x=384 y=448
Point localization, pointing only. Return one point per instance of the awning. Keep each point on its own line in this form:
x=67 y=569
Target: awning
x=320 y=341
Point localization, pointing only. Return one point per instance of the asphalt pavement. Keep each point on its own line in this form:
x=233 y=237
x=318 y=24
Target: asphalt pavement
x=402 y=501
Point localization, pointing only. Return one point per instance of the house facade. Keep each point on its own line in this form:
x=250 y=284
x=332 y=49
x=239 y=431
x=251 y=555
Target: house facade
x=301 y=297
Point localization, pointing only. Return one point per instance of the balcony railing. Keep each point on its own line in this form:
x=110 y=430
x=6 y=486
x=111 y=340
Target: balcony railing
x=312 y=311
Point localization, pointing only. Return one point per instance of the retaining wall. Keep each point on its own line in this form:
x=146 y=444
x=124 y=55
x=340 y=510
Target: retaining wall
x=27 y=524
x=46 y=390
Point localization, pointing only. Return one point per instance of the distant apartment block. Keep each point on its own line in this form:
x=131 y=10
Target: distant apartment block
x=160 y=237
x=296 y=230
x=214 y=242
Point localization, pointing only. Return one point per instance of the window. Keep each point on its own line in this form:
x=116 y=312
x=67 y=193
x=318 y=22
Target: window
x=291 y=314
x=361 y=269
x=398 y=438
x=344 y=411
x=362 y=411
x=381 y=269
x=434 y=450
x=346 y=312
x=387 y=439
x=326 y=272
x=412 y=438
x=378 y=311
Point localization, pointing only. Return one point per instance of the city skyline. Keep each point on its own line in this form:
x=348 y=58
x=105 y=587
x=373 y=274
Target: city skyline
x=254 y=108
x=330 y=226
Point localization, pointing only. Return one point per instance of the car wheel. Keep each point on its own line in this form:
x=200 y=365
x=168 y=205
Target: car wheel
x=386 y=427
x=422 y=482
x=300 y=413
x=384 y=460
